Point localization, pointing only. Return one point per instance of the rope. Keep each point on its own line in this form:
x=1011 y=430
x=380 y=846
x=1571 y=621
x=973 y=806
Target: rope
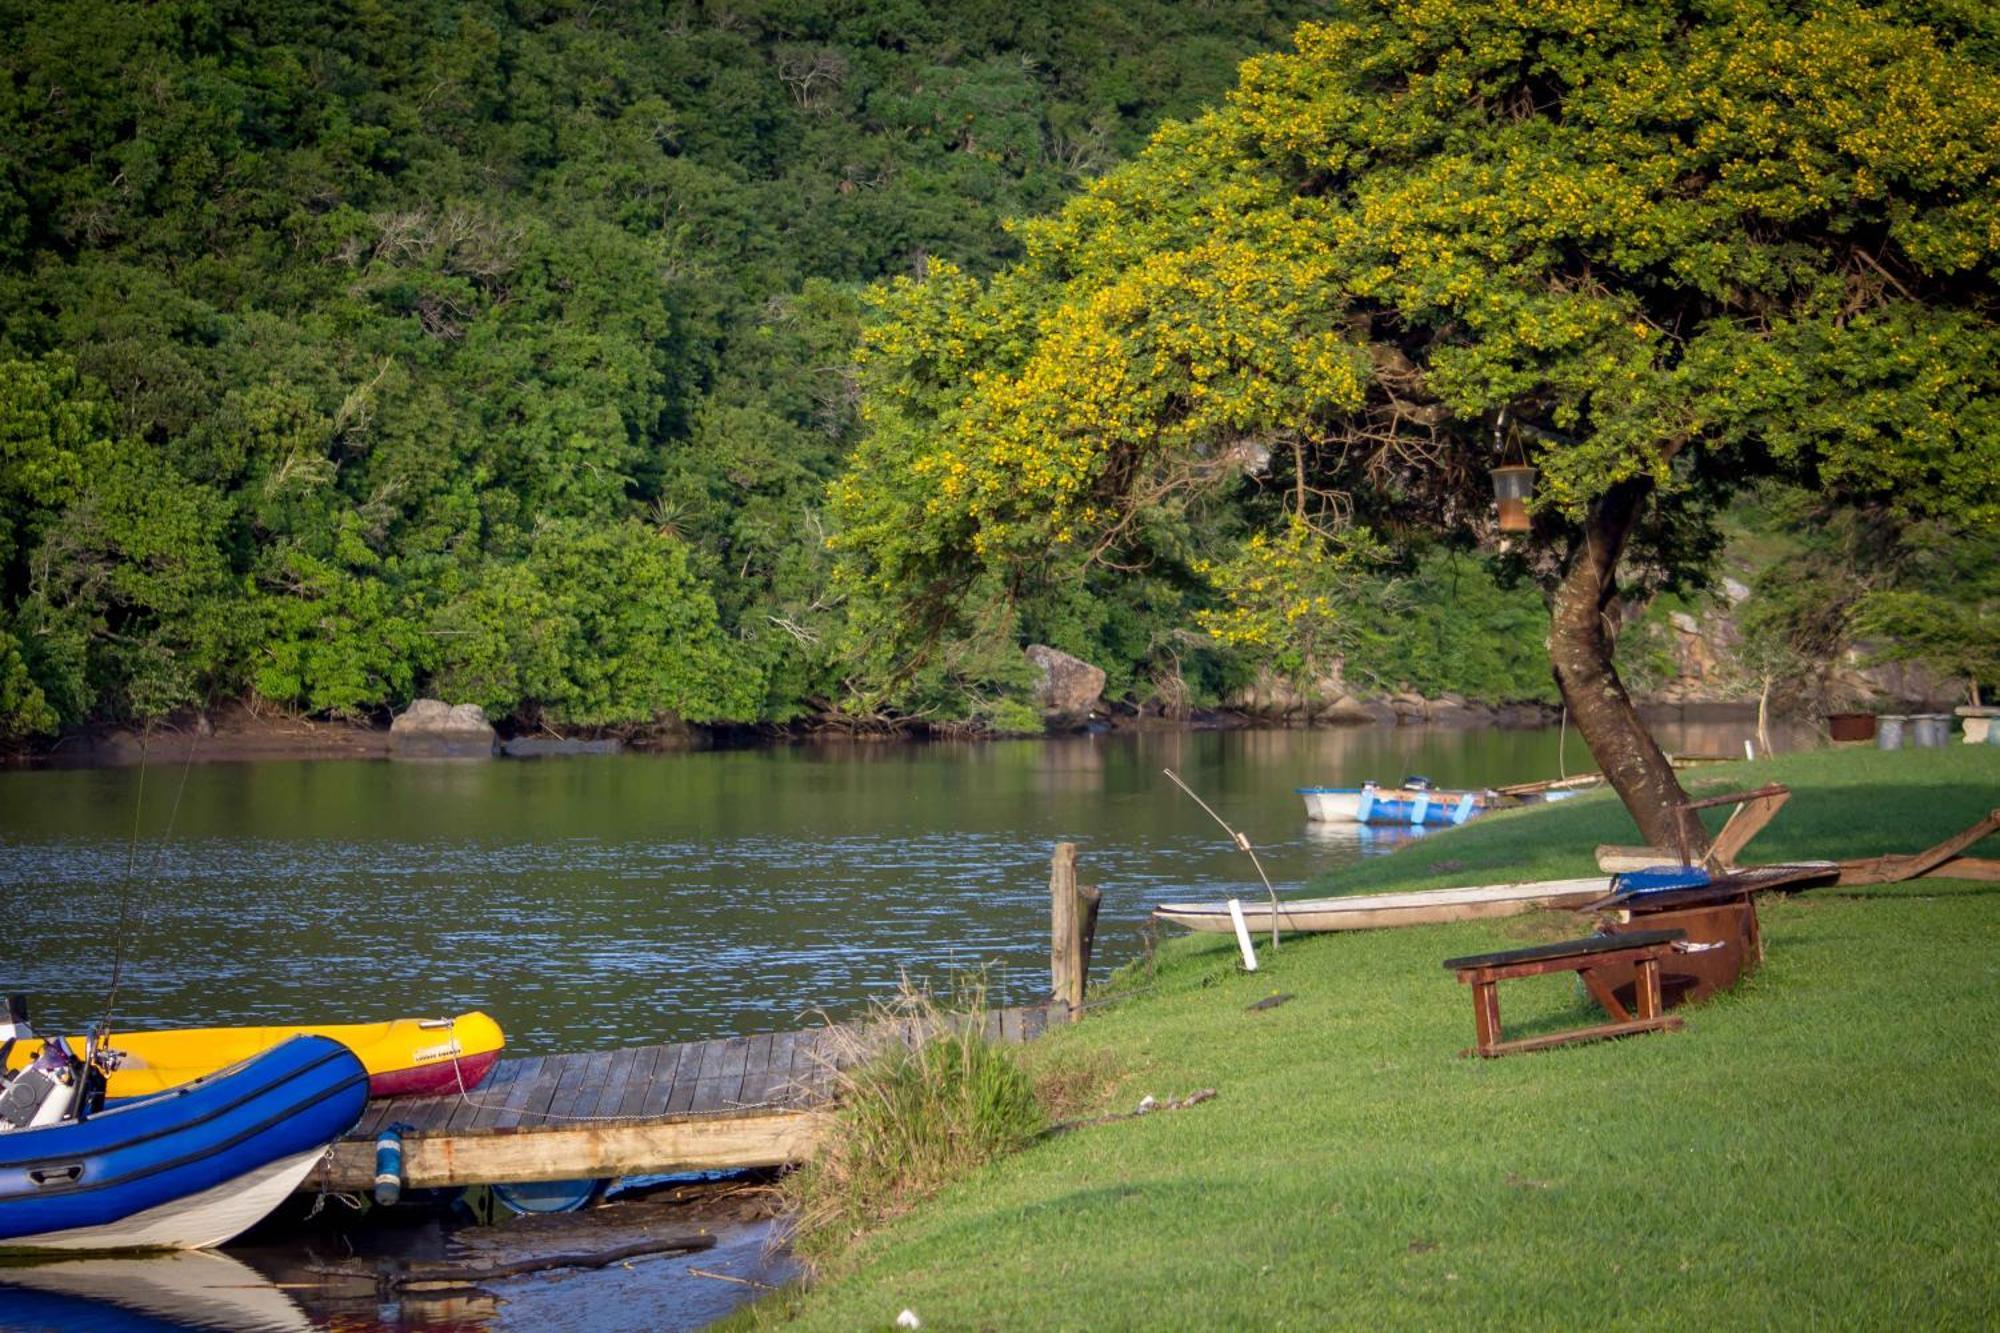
x=1240 y=841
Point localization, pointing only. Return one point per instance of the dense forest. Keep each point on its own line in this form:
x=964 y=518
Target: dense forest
x=502 y=352
x=518 y=355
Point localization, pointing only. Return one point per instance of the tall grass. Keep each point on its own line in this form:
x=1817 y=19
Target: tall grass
x=924 y=1099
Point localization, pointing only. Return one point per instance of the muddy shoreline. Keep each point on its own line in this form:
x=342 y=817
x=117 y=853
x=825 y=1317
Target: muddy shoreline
x=238 y=734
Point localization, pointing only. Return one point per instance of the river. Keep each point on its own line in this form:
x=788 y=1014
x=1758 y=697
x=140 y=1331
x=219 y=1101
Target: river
x=615 y=900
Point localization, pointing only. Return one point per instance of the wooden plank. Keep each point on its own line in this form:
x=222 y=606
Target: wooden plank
x=526 y=1074
x=580 y=1082
x=1599 y=1033
x=675 y=1067
x=584 y=1151
x=604 y=1098
x=721 y=1076
x=1747 y=822
x=1034 y=1022
x=813 y=1056
x=1010 y=1026
x=465 y=1114
x=777 y=1069
x=528 y=1108
x=688 y=1077
x=712 y=1095
x=1895 y=869
x=640 y=1085
x=423 y=1114
x=757 y=1077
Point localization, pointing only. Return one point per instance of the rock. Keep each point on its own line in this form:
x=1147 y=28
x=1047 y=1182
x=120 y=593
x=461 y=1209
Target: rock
x=433 y=729
x=1685 y=623
x=1451 y=711
x=1737 y=592
x=545 y=747
x=1069 y=686
x=1347 y=708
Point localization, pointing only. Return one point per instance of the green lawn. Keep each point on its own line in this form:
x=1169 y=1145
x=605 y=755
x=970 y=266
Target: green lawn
x=1821 y=1146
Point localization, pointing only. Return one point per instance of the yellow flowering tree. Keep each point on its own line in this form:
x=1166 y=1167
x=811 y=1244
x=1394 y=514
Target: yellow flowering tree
x=1671 y=248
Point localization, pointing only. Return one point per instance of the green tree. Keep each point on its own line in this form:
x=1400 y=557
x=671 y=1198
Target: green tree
x=1675 y=248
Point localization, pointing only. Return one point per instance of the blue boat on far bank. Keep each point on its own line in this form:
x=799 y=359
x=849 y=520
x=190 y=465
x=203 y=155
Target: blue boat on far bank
x=1417 y=804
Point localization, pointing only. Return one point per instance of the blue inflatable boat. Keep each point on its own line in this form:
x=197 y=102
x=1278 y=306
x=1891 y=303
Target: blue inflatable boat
x=185 y=1169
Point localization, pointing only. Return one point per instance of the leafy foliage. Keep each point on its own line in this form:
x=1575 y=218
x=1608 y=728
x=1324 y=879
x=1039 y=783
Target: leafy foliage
x=389 y=327
x=1684 y=248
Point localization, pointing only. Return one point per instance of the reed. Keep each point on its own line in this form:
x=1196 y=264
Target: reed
x=914 y=1115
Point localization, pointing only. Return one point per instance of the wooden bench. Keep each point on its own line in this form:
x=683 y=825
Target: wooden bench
x=1640 y=952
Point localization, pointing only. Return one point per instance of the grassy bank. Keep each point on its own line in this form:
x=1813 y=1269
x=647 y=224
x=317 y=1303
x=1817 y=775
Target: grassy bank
x=1818 y=1146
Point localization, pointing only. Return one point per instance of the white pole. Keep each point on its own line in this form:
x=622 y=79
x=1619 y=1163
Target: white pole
x=1243 y=935
x=1749 y=752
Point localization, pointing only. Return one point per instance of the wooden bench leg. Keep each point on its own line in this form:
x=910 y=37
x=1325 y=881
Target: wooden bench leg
x=1648 y=997
x=1486 y=1015
x=1601 y=992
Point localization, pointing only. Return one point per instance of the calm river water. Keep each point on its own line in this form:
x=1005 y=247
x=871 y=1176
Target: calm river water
x=595 y=901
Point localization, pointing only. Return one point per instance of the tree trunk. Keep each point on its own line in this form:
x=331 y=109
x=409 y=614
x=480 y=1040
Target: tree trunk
x=1580 y=651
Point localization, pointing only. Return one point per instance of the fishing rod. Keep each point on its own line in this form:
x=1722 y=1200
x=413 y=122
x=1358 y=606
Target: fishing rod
x=1241 y=841
x=102 y=1029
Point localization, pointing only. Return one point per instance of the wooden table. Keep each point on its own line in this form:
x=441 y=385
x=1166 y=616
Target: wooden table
x=1640 y=952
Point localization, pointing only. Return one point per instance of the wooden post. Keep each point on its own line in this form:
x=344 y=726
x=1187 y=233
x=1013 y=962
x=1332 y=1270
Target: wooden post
x=1065 y=935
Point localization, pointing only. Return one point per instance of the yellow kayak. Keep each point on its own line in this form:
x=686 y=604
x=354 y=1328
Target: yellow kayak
x=404 y=1056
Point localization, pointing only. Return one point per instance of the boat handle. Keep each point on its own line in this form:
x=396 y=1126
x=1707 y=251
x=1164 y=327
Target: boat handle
x=435 y=1022
x=57 y=1175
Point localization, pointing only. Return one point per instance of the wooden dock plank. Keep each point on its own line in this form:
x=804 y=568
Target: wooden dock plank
x=604 y=1098
x=536 y=1095
x=641 y=1082
x=756 y=1069
x=580 y=1081
x=491 y=1092
x=522 y=1077
x=666 y=1077
x=681 y=1095
x=768 y=1081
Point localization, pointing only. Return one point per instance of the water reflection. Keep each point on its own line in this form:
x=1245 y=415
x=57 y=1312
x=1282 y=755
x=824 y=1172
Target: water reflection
x=197 y=1290
x=634 y=898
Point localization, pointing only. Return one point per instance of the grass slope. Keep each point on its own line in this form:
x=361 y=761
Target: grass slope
x=1819 y=1146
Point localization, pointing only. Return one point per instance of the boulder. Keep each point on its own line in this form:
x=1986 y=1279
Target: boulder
x=433 y=729
x=550 y=747
x=1069 y=685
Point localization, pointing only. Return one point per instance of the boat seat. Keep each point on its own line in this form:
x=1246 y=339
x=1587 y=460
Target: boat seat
x=1591 y=957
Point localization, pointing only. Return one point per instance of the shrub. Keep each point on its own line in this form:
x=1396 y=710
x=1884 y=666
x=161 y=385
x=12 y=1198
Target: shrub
x=912 y=1119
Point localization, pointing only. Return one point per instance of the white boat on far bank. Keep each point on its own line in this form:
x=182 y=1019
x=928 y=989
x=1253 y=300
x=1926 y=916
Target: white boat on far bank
x=1377 y=911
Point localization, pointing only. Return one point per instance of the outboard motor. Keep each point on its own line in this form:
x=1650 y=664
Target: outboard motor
x=43 y=1093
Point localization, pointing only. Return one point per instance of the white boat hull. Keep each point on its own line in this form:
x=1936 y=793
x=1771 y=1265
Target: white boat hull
x=1333 y=807
x=1378 y=911
x=193 y=1222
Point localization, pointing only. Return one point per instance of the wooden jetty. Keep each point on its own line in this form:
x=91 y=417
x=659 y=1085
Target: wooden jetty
x=723 y=1104
x=719 y=1105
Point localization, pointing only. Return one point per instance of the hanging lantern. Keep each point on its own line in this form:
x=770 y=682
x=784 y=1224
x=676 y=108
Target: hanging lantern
x=1513 y=487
